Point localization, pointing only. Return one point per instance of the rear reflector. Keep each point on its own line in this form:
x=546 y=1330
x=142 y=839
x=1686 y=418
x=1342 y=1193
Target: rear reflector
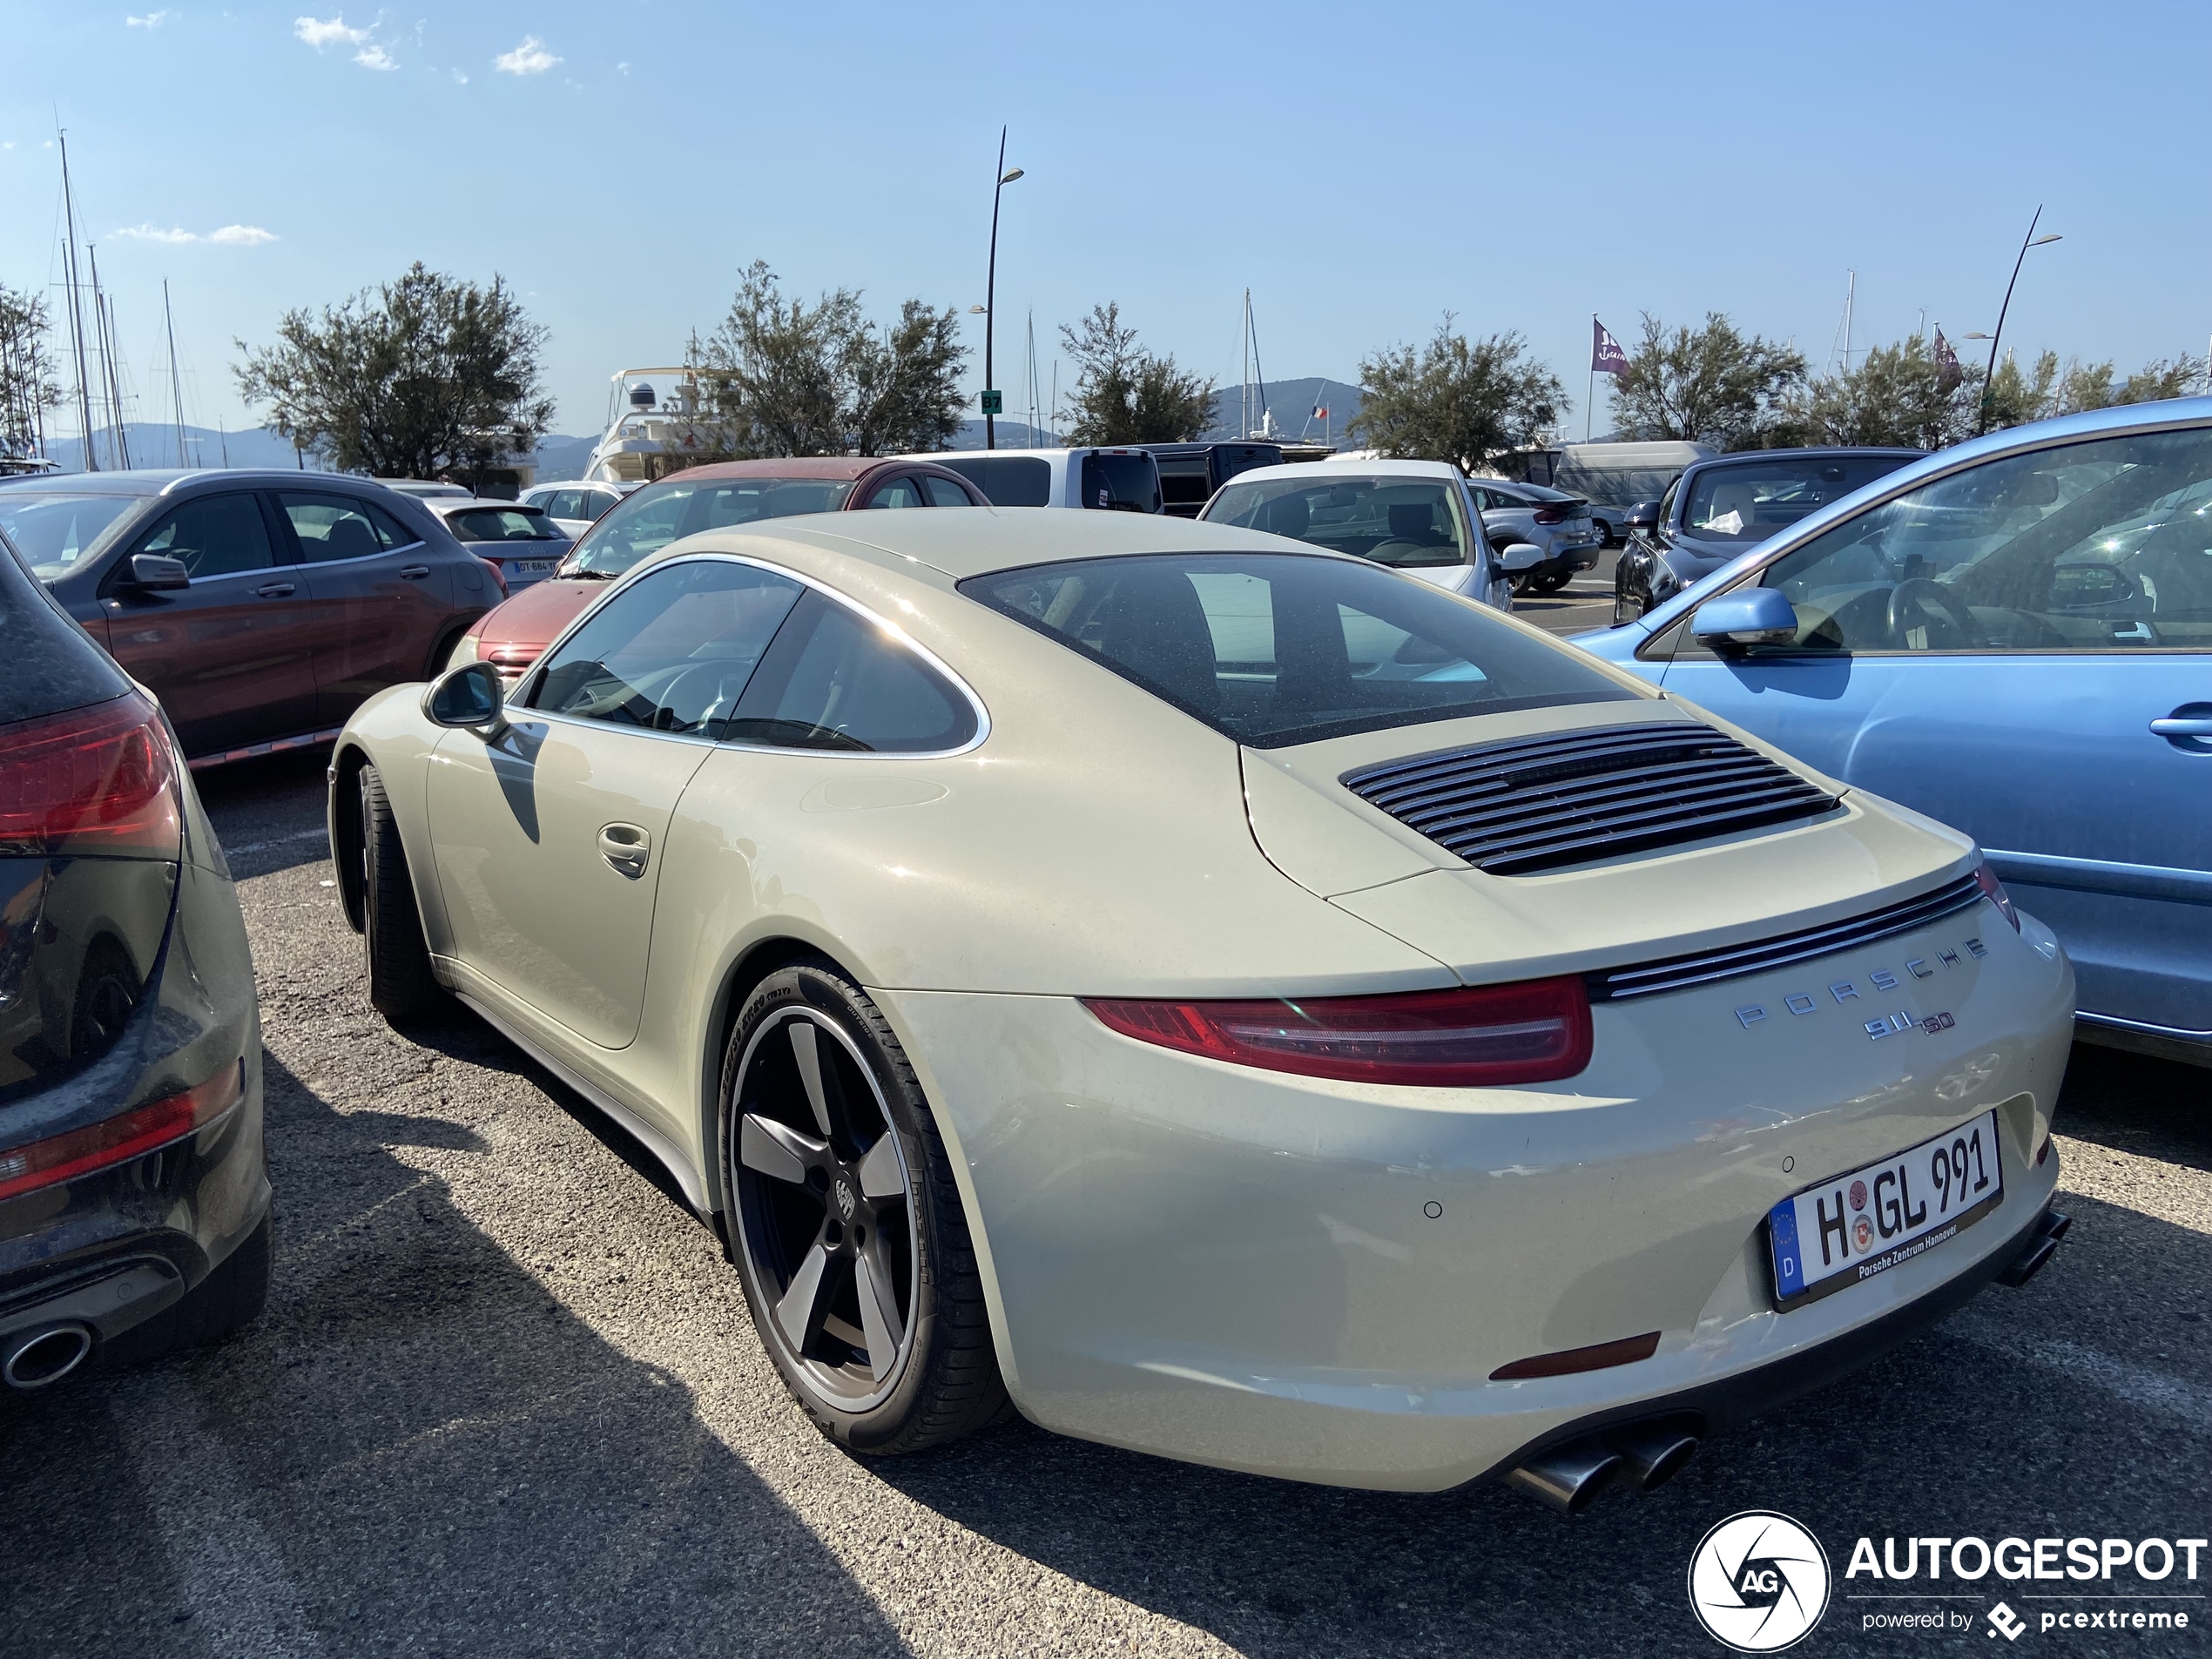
x=117 y=1140
x=1476 y=1037
x=1568 y=1361
x=101 y=780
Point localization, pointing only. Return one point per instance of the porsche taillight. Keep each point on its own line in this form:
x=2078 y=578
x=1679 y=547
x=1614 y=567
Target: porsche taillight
x=1473 y=1037
x=94 y=781
x=1986 y=880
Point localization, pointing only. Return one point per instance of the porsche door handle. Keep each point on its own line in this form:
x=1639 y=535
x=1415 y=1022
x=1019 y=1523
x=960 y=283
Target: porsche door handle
x=626 y=849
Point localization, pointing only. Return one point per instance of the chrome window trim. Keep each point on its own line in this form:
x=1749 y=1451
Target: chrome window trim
x=358 y=558
x=527 y=685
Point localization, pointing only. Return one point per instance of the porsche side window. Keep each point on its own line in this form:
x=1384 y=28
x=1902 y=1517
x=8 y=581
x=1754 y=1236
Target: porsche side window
x=673 y=652
x=834 y=680
x=2104 y=546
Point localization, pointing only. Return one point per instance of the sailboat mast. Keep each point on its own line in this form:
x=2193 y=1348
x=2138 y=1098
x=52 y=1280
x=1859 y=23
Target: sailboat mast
x=1851 y=293
x=76 y=309
x=103 y=336
x=1244 y=376
x=176 y=388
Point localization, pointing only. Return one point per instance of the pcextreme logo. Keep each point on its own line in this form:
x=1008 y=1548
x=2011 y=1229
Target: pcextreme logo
x=1758 y=1582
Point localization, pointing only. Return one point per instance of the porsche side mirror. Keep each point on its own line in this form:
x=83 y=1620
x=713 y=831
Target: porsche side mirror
x=1644 y=515
x=158 y=573
x=1519 y=556
x=469 y=698
x=1747 y=617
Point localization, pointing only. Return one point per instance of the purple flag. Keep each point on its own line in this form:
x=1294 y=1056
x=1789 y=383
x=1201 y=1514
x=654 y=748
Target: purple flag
x=1606 y=355
x=1948 y=374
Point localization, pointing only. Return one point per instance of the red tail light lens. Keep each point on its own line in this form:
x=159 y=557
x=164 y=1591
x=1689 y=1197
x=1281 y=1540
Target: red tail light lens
x=1474 y=1038
x=117 y=1140
x=1986 y=878
x=1554 y=514
x=101 y=780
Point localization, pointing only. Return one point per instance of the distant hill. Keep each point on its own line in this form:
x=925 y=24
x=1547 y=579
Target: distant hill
x=152 y=446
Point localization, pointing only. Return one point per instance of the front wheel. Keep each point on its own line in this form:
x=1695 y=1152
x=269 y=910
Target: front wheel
x=846 y=1223
x=400 y=981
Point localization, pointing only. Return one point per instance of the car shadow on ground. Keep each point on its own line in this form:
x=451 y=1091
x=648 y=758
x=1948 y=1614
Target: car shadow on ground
x=2130 y=1102
x=2038 y=1400
x=424 y=1451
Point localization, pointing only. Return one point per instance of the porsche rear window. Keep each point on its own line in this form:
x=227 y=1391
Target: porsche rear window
x=1272 y=649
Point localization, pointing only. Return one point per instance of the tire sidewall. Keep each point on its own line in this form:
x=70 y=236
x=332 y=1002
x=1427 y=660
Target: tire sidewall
x=829 y=993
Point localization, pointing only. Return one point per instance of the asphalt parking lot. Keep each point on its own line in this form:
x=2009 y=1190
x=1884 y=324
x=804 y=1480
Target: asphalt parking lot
x=506 y=1401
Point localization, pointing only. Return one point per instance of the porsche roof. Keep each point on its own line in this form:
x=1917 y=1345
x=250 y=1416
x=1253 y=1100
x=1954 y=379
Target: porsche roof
x=973 y=541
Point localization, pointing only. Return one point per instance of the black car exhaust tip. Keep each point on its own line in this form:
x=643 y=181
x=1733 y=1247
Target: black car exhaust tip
x=1568 y=1478
x=2036 y=1254
x=1655 y=1452
x=43 y=1356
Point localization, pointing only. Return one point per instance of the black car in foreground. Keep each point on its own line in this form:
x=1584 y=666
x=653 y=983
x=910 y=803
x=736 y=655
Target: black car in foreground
x=134 y=1195
x=1721 y=509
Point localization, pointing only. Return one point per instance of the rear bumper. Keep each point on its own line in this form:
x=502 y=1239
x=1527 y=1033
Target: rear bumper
x=1317 y=1280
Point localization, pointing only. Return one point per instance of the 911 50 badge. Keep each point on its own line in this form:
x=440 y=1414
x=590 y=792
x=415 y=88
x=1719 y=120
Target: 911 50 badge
x=1844 y=992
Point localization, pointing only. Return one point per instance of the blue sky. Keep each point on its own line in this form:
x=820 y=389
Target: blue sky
x=1362 y=169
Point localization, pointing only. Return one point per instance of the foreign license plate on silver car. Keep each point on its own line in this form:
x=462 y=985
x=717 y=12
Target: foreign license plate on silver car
x=533 y=567
x=1845 y=1231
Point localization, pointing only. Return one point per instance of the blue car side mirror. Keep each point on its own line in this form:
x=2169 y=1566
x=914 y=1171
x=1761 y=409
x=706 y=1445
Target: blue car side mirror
x=1747 y=617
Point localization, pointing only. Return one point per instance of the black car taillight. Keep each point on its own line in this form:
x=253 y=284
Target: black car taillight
x=100 y=781
x=1556 y=513
x=119 y=1139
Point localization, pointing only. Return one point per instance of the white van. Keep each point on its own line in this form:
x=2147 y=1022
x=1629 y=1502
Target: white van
x=1127 y=480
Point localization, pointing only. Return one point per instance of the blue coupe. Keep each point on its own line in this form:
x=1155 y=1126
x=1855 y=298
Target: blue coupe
x=2014 y=637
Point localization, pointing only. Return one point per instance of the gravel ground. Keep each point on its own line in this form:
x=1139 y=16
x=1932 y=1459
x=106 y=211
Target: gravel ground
x=506 y=1401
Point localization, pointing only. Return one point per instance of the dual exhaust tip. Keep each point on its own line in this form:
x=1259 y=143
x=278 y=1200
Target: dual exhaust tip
x=1649 y=1454
x=1569 y=1478
x=42 y=1355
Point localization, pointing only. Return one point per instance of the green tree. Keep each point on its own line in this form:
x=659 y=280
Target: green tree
x=414 y=379
x=786 y=378
x=1453 y=399
x=1710 y=384
x=1126 y=394
x=27 y=388
x=1898 y=394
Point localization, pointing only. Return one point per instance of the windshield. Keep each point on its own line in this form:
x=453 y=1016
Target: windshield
x=1749 y=502
x=1274 y=648
x=56 y=532
x=1398 y=522
x=643 y=523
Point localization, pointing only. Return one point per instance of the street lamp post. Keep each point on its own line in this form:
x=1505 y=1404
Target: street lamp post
x=1989 y=378
x=991 y=301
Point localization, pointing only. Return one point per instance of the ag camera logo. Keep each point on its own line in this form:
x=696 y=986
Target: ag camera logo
x=1758 y=1582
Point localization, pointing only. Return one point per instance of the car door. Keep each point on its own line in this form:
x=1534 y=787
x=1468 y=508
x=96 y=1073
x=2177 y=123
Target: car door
x=548 y=834
x=380 y=600
x=232 y=656
x=2023 y=649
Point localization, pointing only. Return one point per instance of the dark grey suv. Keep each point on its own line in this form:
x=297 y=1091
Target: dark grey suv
x=134 y=1196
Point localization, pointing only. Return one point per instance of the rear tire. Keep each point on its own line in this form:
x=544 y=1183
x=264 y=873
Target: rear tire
x=1550 y=581
x=400 y=981
x=229 y=1299
x=838 y=1180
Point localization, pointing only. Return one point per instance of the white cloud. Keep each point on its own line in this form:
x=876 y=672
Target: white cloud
x=151 y=20
x=374 y=56
x=241 y=236
x=622 y=68
x=155 y=233
x=459 y=80
x=229 y=236
x=333 y=33
x=529 y=58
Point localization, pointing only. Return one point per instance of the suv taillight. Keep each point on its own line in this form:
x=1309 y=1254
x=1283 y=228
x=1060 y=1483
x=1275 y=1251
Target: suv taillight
x=101 y=780
x=1556 y=513
x=119 y=1139
x=1480 y=1036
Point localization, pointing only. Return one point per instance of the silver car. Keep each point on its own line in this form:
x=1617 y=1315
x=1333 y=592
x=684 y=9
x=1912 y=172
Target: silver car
x=524 y=541
x=1550 y=519
x=576 y=505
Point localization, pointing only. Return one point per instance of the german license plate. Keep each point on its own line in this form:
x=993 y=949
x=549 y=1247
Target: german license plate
x=1845 y=1231
x=533 y=567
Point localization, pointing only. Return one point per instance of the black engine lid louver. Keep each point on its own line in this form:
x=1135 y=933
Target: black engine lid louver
x=1532 y=804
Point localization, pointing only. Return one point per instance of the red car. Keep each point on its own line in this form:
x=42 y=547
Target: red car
x=512 y=636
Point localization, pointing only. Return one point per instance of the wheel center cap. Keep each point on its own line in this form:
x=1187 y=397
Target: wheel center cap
x=847 y=1200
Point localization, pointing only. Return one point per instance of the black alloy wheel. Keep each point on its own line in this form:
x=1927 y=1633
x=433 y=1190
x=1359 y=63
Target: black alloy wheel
x=846 y=1223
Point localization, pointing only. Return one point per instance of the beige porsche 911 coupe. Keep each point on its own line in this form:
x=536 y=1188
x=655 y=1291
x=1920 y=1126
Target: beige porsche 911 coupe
x=1219 y=997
